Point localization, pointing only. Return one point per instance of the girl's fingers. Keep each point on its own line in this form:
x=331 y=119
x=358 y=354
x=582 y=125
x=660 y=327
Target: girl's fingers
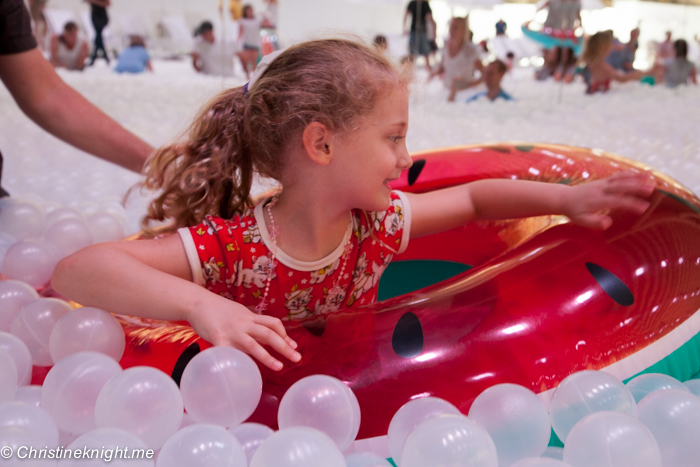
x=277 y=326
x=266 y=336
x=637 y=186
x=594 y=221
x=257 y=351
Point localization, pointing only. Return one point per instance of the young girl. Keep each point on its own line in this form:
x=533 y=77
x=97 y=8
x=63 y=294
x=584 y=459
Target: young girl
x=328 y=120
x=250 y=39
x=598 y=72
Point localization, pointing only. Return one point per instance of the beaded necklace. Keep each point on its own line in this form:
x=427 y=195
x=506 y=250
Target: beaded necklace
x=335 y=293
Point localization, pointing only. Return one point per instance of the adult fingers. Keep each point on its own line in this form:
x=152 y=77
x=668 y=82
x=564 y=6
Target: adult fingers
x=267 y=336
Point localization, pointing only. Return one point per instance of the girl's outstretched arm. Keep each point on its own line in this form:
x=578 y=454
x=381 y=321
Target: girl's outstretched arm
x=152 y=279
x=586 y=204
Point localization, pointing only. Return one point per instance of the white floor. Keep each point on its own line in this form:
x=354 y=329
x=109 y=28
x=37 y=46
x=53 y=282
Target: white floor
x=656 y=126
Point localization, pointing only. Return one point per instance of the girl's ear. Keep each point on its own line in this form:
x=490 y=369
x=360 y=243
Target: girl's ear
x=316 y=140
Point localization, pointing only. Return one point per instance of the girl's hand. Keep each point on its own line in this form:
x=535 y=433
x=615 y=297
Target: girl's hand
x=590 y=203
x=226 y=323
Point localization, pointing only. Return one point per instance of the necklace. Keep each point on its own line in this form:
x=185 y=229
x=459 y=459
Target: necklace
x=336 y=294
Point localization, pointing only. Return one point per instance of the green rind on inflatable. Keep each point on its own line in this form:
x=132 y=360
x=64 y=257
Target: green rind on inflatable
x=402 y=277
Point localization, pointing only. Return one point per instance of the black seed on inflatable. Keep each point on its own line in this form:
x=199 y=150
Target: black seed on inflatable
x=407 y=340
x=415 y=170
x=525 y=147
x=316 y=327
x=182 y=362
x=611 y=284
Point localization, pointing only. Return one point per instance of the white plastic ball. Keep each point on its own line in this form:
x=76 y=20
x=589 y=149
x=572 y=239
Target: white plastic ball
x=409 y=416
x=143 y=401
x=251 y=436
x=87 y=329
x=105 y=227
x=34 y=325
x=221 y=386
x=299 y=446
x=449 y=440
x=366 y=459
x=516 y=419
x=29 y=261
x=8 y=376
x=673 y=417
x=21 y=440
x=13 y=296
x=202 y=445
x=20 y=353
x=6 y=241
x=694 y=386
x=30 y=395
x=21 y=219
x=63 y=213
x=554 y=452
x=31 y=418
x=68 y=236
x=645 y=384
x=584 y=393
x=324 y=403
x=109 y=439
x=541 y=462
x=611 y=439
x=71 y=388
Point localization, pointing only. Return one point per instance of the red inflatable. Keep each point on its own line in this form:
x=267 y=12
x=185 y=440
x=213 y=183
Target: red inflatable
x=545 y=298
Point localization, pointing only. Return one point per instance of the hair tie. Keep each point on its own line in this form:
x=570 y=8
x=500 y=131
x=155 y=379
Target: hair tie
x=261 y=68
x=245 y=88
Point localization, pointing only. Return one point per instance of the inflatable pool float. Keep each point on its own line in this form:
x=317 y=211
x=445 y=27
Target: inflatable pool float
x=550 y=38
x=526 y=301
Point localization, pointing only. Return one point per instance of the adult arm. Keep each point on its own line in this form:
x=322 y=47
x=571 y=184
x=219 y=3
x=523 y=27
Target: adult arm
x=157 y=275
x=693 y=76
x=59 y=109
x=54 y=51
x=584 y=204
x=196 y=63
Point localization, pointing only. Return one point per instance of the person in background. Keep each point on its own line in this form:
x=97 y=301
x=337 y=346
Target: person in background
x=621 y=56
x=69 y=50
x=250 y=39
x=552 y=59
x=665 y=49
x=568 y=64
x=270 y=13
x=135 y=58
x=100 y=19
x=679 y=70
x=421 y=15
x=493 y=74
x=212 y=56
x=380 y=43
x=598 y=73
x=459 y=59
x=52 y=104
x=501 y=27
x=235 y=8
x=41 y=28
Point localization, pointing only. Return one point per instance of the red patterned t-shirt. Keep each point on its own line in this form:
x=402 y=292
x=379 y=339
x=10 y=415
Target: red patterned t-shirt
x=233 y=258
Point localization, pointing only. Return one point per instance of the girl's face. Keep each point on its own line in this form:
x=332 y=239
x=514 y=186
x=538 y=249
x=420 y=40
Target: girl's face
x=457 y=29
x=248 y=12
x=367 y=159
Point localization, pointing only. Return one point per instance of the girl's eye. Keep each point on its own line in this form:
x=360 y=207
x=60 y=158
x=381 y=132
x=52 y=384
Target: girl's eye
x=395 y=138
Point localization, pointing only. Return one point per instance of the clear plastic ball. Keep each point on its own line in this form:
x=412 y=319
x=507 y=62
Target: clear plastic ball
x=407 y=418
x=202 y=445
x=673 y=417
x=554 y=452
x=611 y=439
x=366 y=459
x=68 y=236
x=34 y=325
x=31 y=418
x=110 y=439
x=105 y=227
x=30 y=395
x=71 y=388
x=251 y=436
x=645 y=384
x=21 y=440
x=452 y=440
x=694 y=386
x=299 y=446
x=8 y=376
x=143 y=401
x=584 y=393
x=29 y=261
x=221 y=386
x=541 y=462
x=6 y=241
x=63 y=213
x=20 y=353
x=516 y=419
x=21 y=219
x=324 y=403
x=13 y=296
x=84 y=329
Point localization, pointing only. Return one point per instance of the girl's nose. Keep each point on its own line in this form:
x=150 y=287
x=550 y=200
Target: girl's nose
x=405 y=161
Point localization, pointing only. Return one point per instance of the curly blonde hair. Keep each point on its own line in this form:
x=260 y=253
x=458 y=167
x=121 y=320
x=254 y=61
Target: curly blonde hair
x=596 y=46
x=333 y=81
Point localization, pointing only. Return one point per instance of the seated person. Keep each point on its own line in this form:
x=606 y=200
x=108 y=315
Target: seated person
x=135 y=58
x=679 y=70
x=598 y=73
x=212 y=56
x=69 y=50
x=380 y=43
x=459 y=59
x=493 y=74
x=621 y=56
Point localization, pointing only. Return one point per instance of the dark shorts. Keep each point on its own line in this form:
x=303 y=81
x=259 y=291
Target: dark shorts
x=251 y=47
x=2 y=192
x=418 y=43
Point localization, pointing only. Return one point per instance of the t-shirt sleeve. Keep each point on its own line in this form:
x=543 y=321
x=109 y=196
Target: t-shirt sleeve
x=212 y=252
x=15 y=28
x=393 y=226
